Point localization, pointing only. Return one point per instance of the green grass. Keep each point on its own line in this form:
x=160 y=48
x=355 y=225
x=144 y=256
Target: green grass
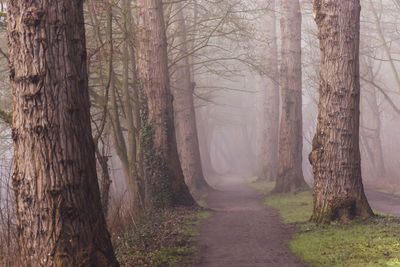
x=264 y=187
x=372 y=242
x=294 y=208
x=202 y=203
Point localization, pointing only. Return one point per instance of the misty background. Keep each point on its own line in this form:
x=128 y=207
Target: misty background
x=229 y=41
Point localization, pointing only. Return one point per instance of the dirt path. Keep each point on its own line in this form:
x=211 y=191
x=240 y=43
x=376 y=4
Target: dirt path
x=383 y=202
x=242 y=231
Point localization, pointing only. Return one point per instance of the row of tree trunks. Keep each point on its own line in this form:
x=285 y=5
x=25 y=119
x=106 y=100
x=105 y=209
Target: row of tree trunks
x=206 y=130
x=290 y=174
x=370 y=128
x=60 y=219
x=338 y=192
x=164 y=180
x=185 y=117
x=268 y=154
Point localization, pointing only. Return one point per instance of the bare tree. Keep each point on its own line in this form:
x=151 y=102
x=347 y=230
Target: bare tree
x=370 y=125
x=268 y=155
x=290 y=174
x=164 y=180
x=185 y=117
x=338 y=189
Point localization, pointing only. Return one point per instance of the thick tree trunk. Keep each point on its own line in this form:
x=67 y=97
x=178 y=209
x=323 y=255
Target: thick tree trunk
x=164 y=180
x=290 y=174
x=185 y=118
x=270 y=134
x=338 y=190
x=59 y=212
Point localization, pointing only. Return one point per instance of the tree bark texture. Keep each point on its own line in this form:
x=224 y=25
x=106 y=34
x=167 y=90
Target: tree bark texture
x=270 y=83
x=290 y=174
x=164 y=180
x=338 y=192
x=185 y=117
x=60 y=219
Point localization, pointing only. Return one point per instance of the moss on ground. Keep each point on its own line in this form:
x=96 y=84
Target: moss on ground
x=371 y=242
x=162 y=239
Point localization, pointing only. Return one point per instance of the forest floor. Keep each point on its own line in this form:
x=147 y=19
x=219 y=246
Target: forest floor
x=242 y=231
x=245 y=230
x=240 y=224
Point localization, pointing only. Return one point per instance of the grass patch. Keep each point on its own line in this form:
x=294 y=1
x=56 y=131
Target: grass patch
x=202 y=203
x=372 y=242
x=162 y=239
x=264 y=187
x=293 y=207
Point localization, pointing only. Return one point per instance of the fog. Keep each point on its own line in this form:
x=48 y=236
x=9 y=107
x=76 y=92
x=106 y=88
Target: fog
x=230 y=41
x=229 y=45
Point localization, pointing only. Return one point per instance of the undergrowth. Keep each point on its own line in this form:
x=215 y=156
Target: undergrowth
x=371 y=242
x=162 y=239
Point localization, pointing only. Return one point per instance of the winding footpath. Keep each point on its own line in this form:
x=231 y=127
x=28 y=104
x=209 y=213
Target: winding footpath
x=243 y=231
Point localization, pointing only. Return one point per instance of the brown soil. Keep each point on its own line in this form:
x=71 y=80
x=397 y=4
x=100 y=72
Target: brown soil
x=242 y=231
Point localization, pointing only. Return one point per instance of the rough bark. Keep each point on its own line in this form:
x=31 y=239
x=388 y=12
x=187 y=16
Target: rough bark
x=164 y=180
x=338 y=192
x=267 y=169
x=290 y=174
x=185 y=117
x=60 y=219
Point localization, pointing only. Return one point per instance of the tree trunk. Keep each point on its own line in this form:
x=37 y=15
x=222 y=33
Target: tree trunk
x=338 y=189
x=290 y=174
x=59 y=212
x=205 y=131
x=131 y=113
x=185 y=118
x=164 y=180
x=270 y=83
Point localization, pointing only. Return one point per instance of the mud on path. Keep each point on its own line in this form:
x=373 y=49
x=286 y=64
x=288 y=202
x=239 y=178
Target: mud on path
x=243 y=231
